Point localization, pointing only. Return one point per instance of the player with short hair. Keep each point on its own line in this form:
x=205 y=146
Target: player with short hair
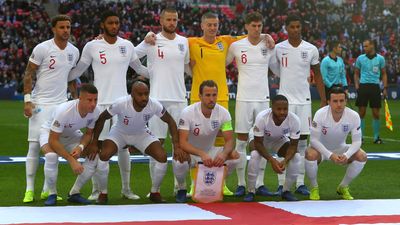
x=295 y=57
x=275 y=131
x=369 y=69
x=49 y=64
x=166 y=62
x=110 y=58
x=198 y=127
x=330 y=127
x=252 y=58
x=61 y=136
x=133 y=112
x=332 y=68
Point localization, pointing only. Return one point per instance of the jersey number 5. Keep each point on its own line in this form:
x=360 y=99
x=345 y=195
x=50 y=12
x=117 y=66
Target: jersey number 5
x=103 y=59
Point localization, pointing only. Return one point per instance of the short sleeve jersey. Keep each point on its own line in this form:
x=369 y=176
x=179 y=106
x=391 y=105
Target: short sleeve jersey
x=67 y=120
x=110 y=63
x=166 y=64
x=252 y=62
x=52 y=74
x=370 y=69
x=210 y=64
x=295 y=69
x=266 y=127
x=202 y=130
x=333 y=134
x=129 y=120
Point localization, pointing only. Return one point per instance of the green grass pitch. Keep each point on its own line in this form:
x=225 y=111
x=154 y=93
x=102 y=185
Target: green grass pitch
x=379 y=180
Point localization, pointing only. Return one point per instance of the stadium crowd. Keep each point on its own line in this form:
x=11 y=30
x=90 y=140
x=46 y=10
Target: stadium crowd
x=24 y=24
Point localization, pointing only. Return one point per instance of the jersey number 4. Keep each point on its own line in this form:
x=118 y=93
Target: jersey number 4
x=160 y=54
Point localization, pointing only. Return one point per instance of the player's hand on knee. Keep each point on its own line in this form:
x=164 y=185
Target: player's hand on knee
x=150 y=38
x=28 y=107
x=91 y=151
x=181 y=155
x=77 y=168
x=343 y=159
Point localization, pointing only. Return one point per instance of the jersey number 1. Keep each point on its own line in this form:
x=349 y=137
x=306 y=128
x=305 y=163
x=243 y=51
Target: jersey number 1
x=284 y=61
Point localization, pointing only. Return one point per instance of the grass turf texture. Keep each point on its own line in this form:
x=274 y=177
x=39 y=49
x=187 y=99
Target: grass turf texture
x=378 y=180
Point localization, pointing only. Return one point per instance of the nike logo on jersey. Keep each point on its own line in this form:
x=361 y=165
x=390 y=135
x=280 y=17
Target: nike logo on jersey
x=127 y=117
x=197 y=124
x=102 y=51
x=242 y=51
x=52 y=56
x=160 y=46
x=285 y=53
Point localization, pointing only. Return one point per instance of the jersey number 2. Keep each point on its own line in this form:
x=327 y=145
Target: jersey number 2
x=52 y=62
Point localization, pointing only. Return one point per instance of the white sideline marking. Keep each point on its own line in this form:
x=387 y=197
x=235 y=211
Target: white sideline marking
x=375 y=207
x=105 y=214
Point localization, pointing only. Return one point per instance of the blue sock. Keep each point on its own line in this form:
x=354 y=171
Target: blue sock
x=362 y=127
x=375 y=126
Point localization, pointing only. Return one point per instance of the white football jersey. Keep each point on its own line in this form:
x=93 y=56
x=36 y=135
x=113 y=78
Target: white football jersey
x=52 y=74
x=266 y=127
x=67 y=120
x=252 y=62
x=333 y=134
x=166 y=64
x=110 y=63
x=294 y=66
x=202 y=130
x=129 y=120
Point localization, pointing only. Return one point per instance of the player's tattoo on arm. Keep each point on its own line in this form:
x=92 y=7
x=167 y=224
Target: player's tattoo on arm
x=29 y=77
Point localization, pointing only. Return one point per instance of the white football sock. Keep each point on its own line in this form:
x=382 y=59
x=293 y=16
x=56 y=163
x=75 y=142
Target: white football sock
x=252 y=170
x=51 y=171
x=301 y=148
x=159 y=172
x=292 y=171
x=31 y=165
x=353 y=169
x=312 y=171
x=261 y=172
x=282 y=176
x=124 y=163
x=103 y=168
x=241 y=166
x=180 y=171
x=89 y=167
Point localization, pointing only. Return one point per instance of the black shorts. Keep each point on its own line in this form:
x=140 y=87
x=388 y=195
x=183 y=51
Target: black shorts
x=369 y=93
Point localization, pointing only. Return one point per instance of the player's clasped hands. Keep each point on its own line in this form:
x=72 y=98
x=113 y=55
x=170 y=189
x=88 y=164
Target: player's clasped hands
x=220 y=159
x=277 y=166
x=28 y=108
x=338 y=159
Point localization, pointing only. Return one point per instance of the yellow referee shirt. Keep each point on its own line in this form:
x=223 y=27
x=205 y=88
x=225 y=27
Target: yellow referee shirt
x=210 y=64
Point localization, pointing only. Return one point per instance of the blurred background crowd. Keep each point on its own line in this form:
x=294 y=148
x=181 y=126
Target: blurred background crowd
x=24 y=24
